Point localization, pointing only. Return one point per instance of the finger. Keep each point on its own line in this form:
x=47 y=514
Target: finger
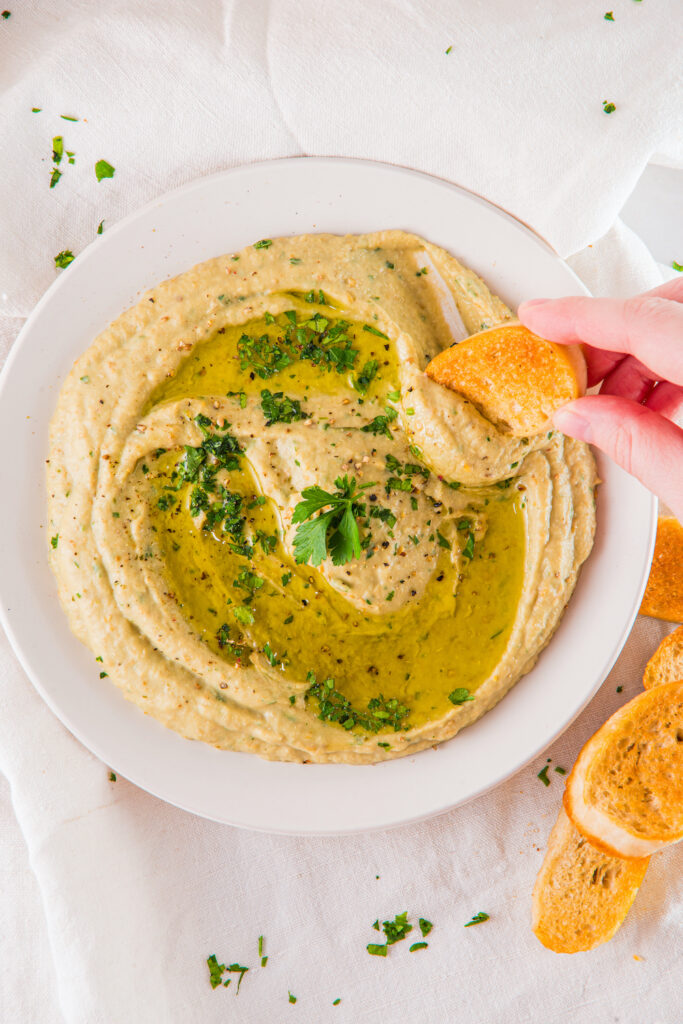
x=671 y=290
x=629 y=379
x=599 y=363
x=667 y=400
x=642 y=442
x=648 y=327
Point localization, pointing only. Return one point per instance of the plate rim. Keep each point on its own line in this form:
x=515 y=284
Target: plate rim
x=95 y=747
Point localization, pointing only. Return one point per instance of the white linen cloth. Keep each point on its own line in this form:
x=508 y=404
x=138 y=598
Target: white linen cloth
x=135 y=893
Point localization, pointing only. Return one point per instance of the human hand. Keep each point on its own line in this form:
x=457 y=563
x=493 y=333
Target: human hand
x=635 y=347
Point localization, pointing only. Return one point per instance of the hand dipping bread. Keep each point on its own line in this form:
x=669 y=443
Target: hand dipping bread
x=517 y=379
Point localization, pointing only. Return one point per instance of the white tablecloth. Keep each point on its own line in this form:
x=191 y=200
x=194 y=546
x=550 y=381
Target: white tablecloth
x=136 y=894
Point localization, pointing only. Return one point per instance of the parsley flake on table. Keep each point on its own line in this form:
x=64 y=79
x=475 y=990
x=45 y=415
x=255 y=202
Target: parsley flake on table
x=336 y=1002
x=112 y=776
x=397 y=929
x=55 y=176
x=543 y=775
x=418 y=945
x=677 y=266
x=215 y=971
x=375 y=949
x=103 y=169
x=100 y=226
x=57 y=149
x=6 y=14
x=68 y=117
x=609 y=16
x=449 y=49
x=334 y=532
x=64 y=258
x=608 y=107
x=477 y=919
x=425 y=926
x=292 y=998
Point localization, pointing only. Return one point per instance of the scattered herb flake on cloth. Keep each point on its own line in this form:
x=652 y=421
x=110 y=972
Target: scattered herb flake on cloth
x=608 y=107
x=64 y=258
x=103 y=169
x=477 y=919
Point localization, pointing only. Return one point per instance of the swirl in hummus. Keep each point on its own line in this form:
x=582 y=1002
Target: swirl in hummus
x=181 y=444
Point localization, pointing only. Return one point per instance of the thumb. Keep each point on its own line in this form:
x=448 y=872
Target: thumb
x=643 y=443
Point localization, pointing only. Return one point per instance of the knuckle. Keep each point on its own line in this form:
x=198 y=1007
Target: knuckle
x=647 y=307
x=622 y=446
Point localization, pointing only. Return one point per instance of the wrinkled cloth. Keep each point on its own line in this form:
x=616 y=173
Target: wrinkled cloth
x=128 y=895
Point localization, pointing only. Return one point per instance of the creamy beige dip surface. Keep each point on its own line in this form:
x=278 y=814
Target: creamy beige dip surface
x=181 y=445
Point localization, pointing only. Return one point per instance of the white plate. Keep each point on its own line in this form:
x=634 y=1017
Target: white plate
x=220 y=214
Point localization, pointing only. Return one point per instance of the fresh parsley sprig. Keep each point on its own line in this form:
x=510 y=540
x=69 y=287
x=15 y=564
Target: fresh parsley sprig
x=334 y=532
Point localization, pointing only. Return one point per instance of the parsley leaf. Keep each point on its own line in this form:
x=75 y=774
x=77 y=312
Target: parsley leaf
x=477 y=919
x=397 y=929
x=333 y=706
x=677 y=266
x=265 y=243
x=609 y=108
x=459 y=696
x=380 y=424
x=366 y=375
x=215 y=971
x=103 y=169
x=543 y=775
x=334 y=531
x=64 y=258
x=374 y=949
x=425 y=926
x=373 y=330
x=418 y=945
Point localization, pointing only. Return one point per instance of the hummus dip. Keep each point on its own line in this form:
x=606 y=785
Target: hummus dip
x=179 y=450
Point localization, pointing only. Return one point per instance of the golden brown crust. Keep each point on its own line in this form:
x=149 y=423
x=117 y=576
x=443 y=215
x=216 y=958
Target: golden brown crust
x=516 y=378
x=663 y=597
x=625 y=792
x=581 y=896
x=666 y=664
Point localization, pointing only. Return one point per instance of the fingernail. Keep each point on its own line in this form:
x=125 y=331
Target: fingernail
x=535 y=303
x=574 y=424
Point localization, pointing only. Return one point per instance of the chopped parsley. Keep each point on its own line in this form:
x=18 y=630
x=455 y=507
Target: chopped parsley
x=365 y=377
x=99 y=227
x=375 y=949
x=278 y=408
x=609 y=16
x=54 y=541
x=609 y=108
x=397 y=929
x=543 y=775
x=460 y=696
x=215 y=971
x=418 y=945
x=560 y=771
x=292 y=998
x=314 y=297
x=449 y=49
x=57 y=149
x=68 y=117
x=243 y=615
x=443 y=543
x=314 y=339
x=677 y=266
x=55 y=176
x=468 y=550
x=6 y=14
x=425 y=926
x=265 y=243
x=294 y=260
x=373 y=330
x=334 y=532
x=103 y=169
x=64 y=258
x=112 y=776
x=422 y=271
x=336 y=1002
x=477 y=919
x=380 y=424
x=333 y=706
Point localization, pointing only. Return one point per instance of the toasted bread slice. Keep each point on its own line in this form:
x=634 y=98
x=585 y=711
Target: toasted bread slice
x=581 y=894
x=625 y=792
x=515 y=378
x=666 y=664
x=663 y=597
